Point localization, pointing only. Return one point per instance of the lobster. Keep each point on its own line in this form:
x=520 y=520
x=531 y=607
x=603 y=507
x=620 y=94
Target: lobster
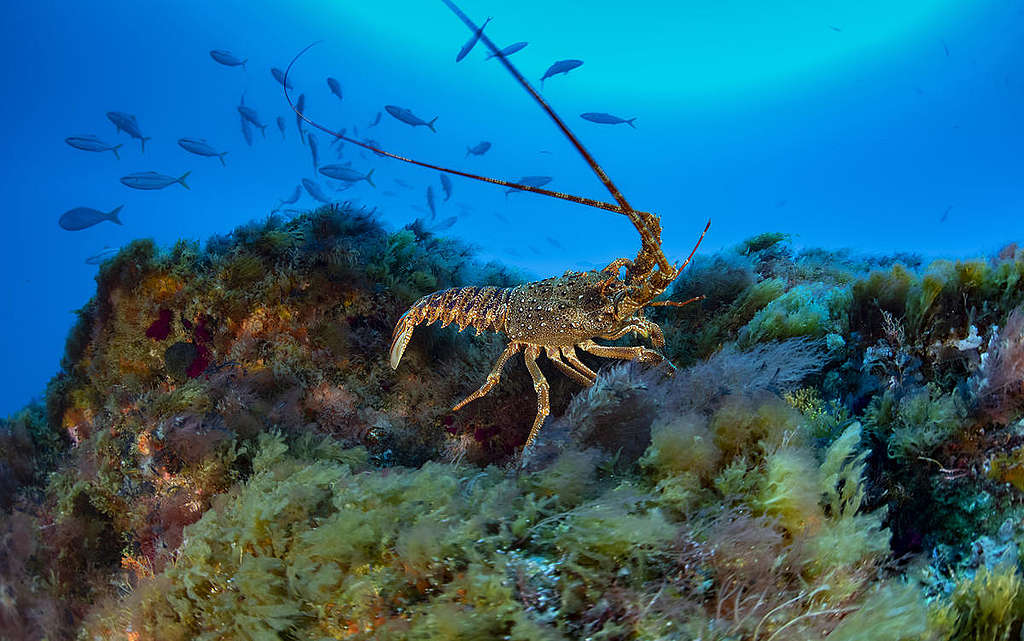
x=555 y=316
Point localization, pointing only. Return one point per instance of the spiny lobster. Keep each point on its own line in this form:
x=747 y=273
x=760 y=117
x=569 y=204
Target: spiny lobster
x=555 y=315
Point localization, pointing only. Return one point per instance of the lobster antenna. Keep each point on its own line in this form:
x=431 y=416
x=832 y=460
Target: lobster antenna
x=618 y=209
x=609 y=185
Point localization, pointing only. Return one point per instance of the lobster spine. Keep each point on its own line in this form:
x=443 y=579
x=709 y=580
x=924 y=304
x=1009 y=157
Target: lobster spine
x=478 y=307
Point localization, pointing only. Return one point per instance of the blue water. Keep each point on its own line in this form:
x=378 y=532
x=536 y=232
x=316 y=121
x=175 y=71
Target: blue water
x=847 y=124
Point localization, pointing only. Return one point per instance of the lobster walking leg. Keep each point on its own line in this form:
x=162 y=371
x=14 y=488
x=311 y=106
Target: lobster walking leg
x=493 y=377
x=639 y=353
x=555 y=357
x=569 y=354
x=540 y=385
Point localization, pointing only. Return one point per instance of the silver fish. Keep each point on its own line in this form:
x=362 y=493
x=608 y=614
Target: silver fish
x=246 y=130
x=250 y=114
x=562 y=66
x=92 y=143
x=430 y=202
x=294 y=198
x=346 y=174
x=200 y=147
x=83 y=217
x=279 y=76
x=102 y=256
x=280 y=125
x=406 y=116
x=227 y=58
x=314 y=149
x=466 y=48
x=376 y=121
x=479 y=149
x=128 y=124
x=314 y=190
x=509 y=50
x=335 y=87
x=152 y=180
x=607 y=119
x=529 y=181
x=446 y=185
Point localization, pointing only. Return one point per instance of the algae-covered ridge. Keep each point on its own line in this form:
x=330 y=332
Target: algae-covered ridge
x=226 y=454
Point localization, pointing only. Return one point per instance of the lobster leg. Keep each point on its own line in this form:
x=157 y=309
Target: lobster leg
x=556 y=358
x=494 y=376
x=569 y=354
x=641 y=354
x=540 y=385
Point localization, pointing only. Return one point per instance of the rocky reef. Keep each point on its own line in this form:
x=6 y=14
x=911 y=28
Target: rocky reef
x=227 y=454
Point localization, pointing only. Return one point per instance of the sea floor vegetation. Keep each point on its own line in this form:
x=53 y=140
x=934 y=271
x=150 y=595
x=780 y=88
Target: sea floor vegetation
x=226 y=454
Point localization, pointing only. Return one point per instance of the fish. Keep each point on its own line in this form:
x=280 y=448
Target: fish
x=246 y=130
x=529 y=181
x=376 y=121
x=388 y=193
x=447 y=223
x=279 y=76
x=200 y=147
x=152 y=180
x=430 y=202
x=300 y=107
x=294 y=198
x=835 y=28
x=314 y=190
x=280 y=125
x=227 y=58
x=945 y=214
x=346 y=174
x=83 y=217
x=561 y=66
x=313 y=149
x=466 y=48
x=607 y=119
x=509 y=50
x=403 y=184
x=554 y=243
x=92 y=143
x=128 y=124
x=250 y=114
x=406 y=116
x=944 y=47
x=479 y=149
x=335 y=87
x=103 y=255
x=446 y=185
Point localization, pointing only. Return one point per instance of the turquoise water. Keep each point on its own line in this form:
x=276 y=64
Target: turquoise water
x=850 y=125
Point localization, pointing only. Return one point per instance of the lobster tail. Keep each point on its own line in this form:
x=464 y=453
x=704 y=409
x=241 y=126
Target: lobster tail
x=477 y=307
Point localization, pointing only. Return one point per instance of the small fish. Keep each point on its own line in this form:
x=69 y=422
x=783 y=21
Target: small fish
x=82 y=217
x=314 y=149
x=128 y=124
x=561 y=66
x=781 y=203
x=944 y=47
x=279 y=76
x=834 y=28
x=388 y=193
x=314 y=190
x=227 y=58
x=406 y=116
x=554 y=243
x=376 y=121
x=250 y=114
x=200 y=147
x=294 y=198
x=509 y=50
x=152 y=180
x=346 y=174
x=479 y=149
x=92 y=143
x=246 y=130
x=300 y=107
x=401 y=183
x=606 y=119
x=430 y=202
x=529 y=181
x=446 y=185
x=98 y=259
x=945 y=214
x=503 y=219
x=280 y=125
x=335 y=87
x=466 y=48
